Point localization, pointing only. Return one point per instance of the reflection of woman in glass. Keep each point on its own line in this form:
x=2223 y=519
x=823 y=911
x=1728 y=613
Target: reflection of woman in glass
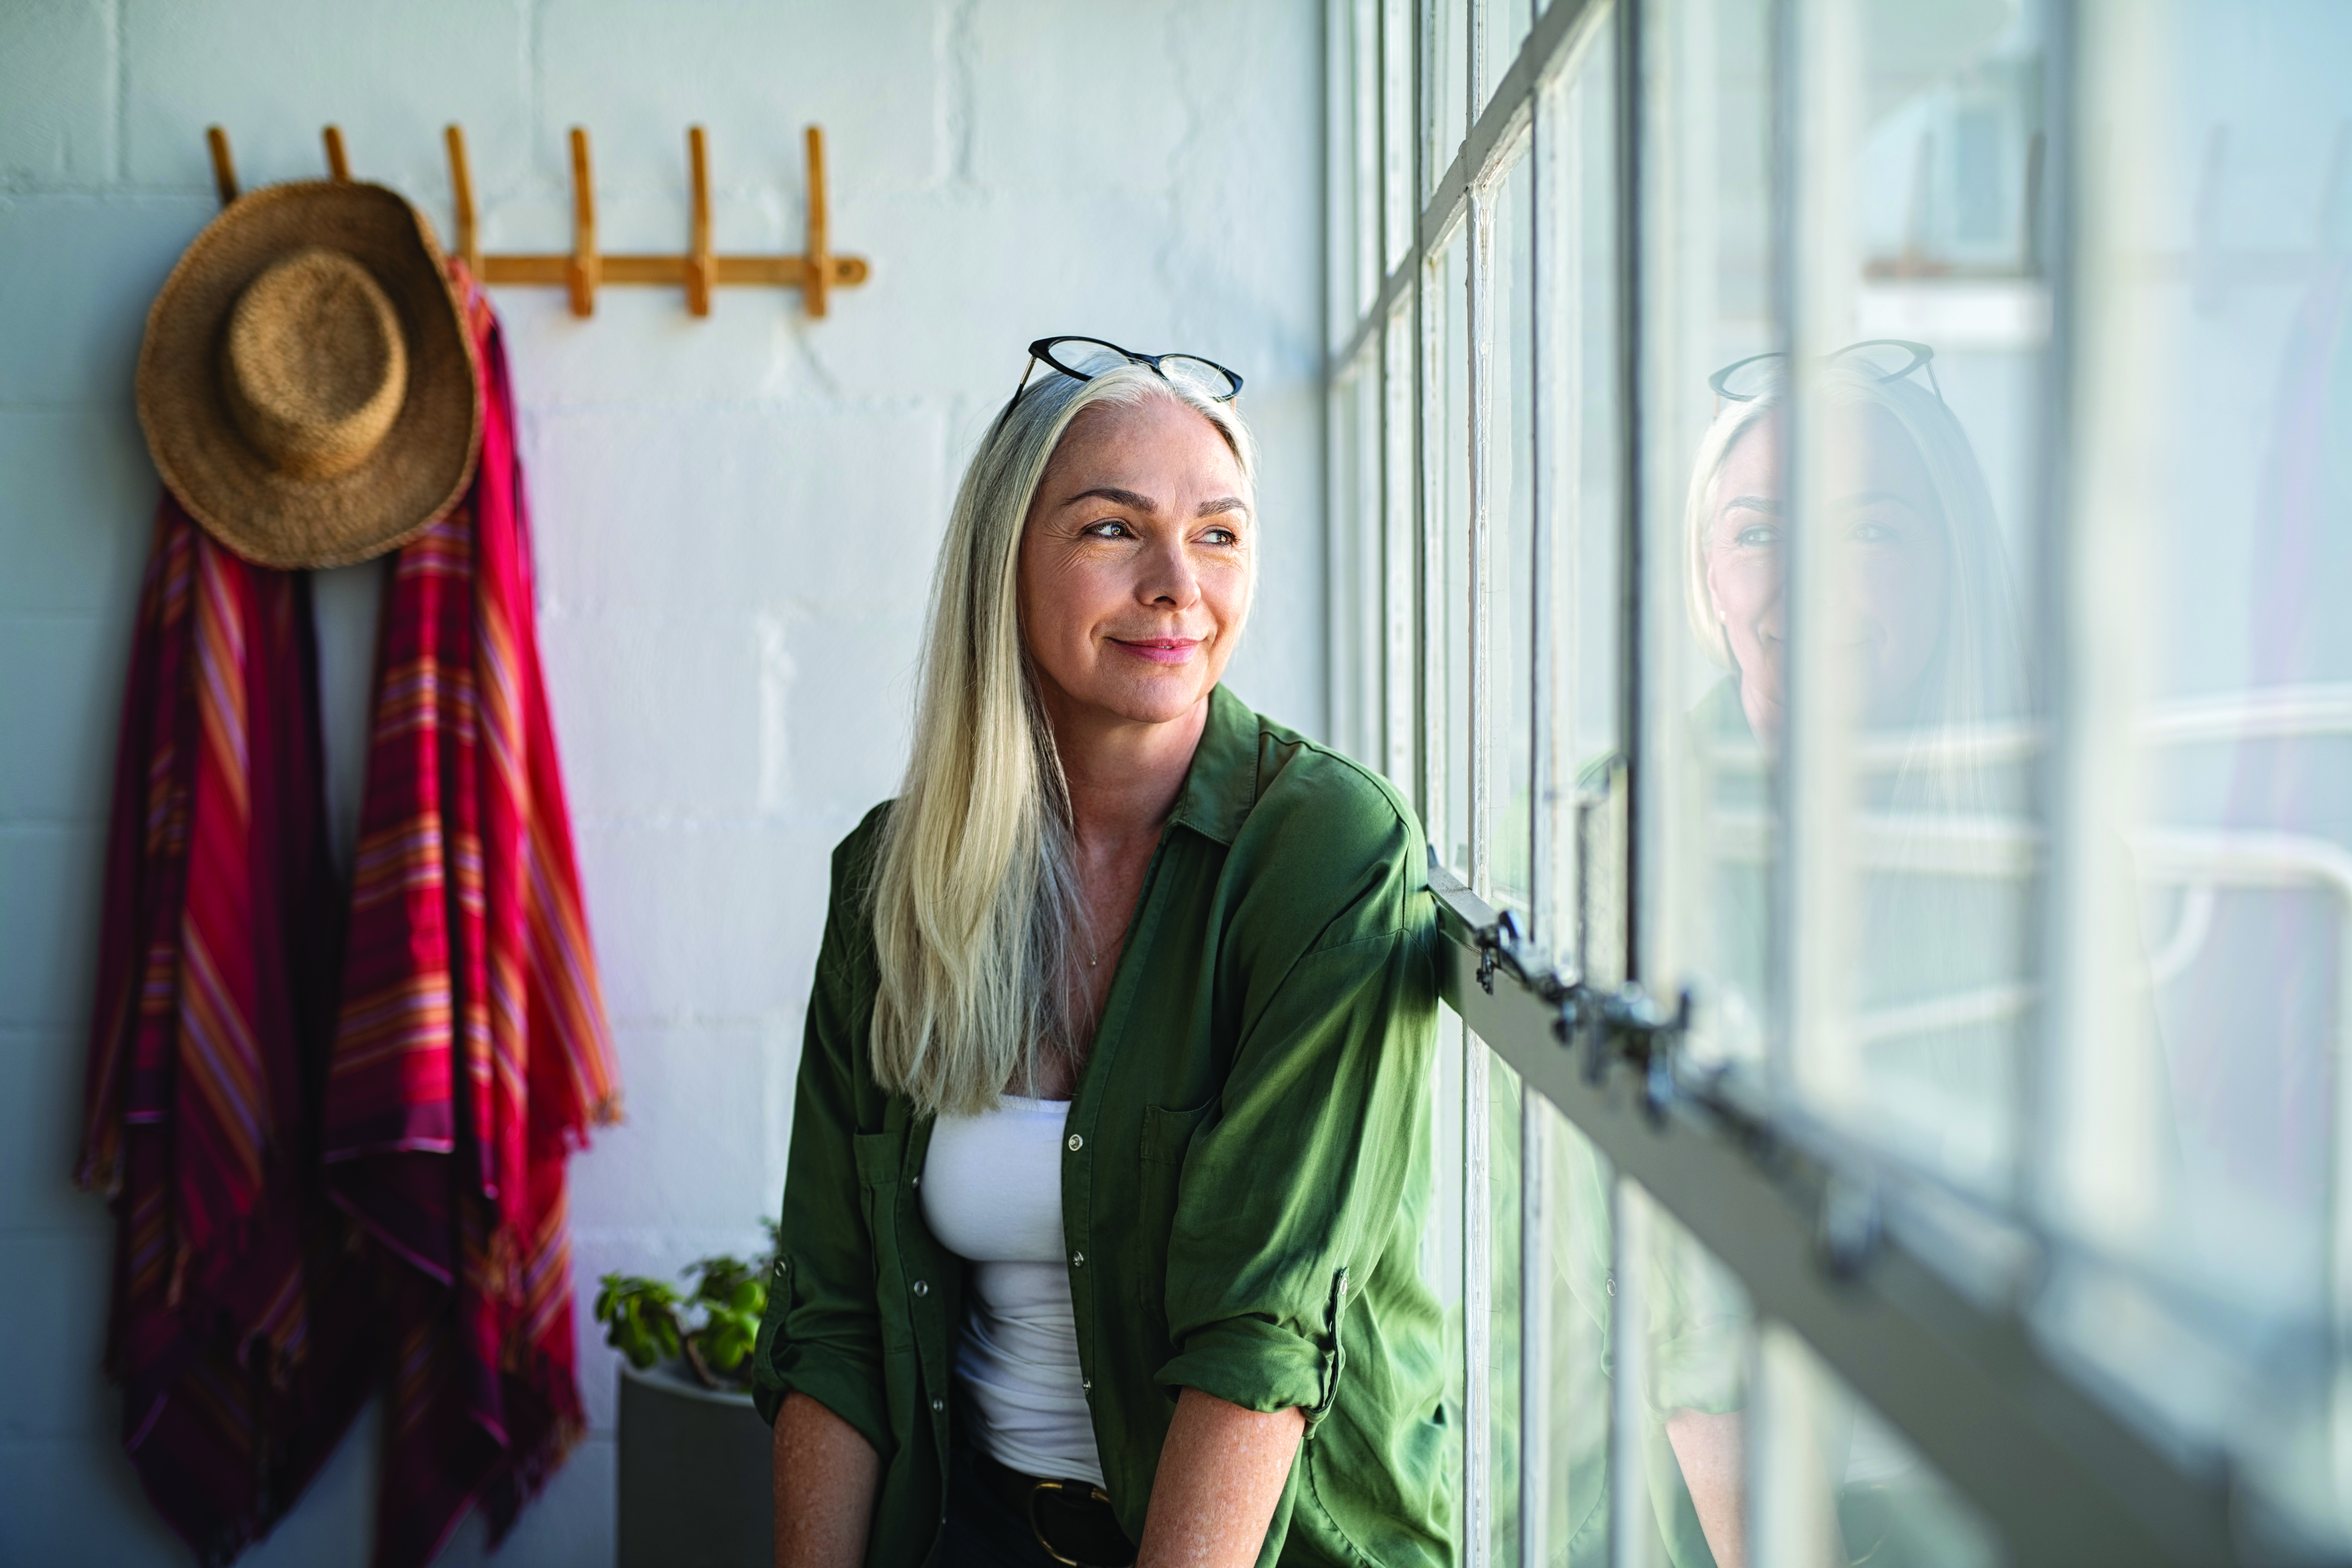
x=1927 y=613
x=1924 y=652
x=1924 y=640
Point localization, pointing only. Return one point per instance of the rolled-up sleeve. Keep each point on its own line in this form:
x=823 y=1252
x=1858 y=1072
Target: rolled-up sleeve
x=822 y=1333
x=1292 y=1190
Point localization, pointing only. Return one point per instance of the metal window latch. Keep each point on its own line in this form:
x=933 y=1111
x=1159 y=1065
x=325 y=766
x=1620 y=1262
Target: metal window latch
x=1624 y=1024
x=1498 y=943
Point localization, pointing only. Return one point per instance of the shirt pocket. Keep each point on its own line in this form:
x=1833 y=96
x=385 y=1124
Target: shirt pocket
x=1167 y=1138
x=880 y=1156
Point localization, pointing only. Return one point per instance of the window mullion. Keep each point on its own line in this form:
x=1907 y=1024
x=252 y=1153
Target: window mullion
x=1476 y=1126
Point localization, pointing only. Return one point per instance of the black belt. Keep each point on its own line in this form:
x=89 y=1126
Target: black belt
x=1071 y=1519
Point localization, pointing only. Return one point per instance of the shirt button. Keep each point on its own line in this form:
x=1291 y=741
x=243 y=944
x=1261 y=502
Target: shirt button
x=922 y=1288
x=1087 y=1384
x=1078 y=1260
x=938 y=1405
x=1077 y=1143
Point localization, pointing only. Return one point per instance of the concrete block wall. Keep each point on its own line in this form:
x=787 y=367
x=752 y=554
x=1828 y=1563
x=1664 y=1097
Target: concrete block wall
x=736 y=517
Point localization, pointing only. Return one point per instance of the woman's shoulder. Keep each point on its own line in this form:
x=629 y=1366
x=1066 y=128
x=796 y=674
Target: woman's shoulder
x=1302 y=778
x=849 y=936
x=1332 y=831
x=857 y=853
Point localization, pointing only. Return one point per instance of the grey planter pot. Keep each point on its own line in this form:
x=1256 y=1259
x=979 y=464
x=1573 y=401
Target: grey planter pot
x=695 y=1469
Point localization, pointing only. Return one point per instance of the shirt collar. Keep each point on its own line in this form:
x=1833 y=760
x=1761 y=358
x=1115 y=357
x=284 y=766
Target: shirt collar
x=1222 y=785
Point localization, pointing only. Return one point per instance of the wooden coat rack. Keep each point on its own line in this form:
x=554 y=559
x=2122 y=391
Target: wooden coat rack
x=583 y=270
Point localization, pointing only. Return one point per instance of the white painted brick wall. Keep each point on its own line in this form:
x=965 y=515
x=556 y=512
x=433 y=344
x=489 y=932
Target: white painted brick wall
x=735 y=516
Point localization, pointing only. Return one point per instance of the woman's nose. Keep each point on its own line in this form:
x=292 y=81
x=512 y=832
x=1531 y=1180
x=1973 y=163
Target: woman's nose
x=1168 y=578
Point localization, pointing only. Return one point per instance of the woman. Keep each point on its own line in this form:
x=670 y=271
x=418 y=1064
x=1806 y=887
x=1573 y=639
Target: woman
x=1111 y=1150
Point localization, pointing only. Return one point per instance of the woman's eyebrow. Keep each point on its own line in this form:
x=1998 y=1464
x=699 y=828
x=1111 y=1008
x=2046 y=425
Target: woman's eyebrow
x=1765 y=504
x=1223 y=503
x=1113 y=493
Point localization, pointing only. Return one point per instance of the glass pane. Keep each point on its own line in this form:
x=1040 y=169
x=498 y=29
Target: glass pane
x=1444 y=85
x=1709 y=842
x=1355 y=539
x=1445 y=470
x=1502 y=1111
x=1506 y=23
x=1840 y=1486
x=1344 y=214
x=1400 y=654
x=1870 y=531
x=1364 y=247
x=2200 y=1128
x=1511 y=527
x=1686 y=1330
x=1580 y=525
x=1442 y=1254
x=1399 y=197
x=1570 y=1347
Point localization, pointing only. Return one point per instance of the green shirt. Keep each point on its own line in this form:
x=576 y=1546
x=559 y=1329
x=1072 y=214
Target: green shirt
x=1245 y=1174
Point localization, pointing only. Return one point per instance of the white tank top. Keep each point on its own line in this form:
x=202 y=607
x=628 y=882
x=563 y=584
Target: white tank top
x=992 y=1194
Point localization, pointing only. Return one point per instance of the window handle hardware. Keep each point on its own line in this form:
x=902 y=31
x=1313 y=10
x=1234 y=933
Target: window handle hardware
x=1611 y=1024
x=1625 y=1024
x=1498 y=944
x=1850 y=1226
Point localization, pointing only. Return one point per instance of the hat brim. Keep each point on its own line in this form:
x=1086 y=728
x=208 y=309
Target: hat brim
x=415 y=474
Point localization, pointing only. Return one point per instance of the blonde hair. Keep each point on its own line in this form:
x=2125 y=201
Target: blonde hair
x=976 y=904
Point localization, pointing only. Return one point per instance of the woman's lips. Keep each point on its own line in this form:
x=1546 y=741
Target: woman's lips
x=1161 y=650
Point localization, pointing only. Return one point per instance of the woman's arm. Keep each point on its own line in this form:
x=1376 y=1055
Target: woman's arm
x=1222 y=1470
x=1713 y=1453
x=825 y=1477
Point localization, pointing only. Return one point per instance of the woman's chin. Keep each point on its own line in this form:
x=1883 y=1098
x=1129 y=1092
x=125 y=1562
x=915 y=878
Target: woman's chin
x=1162 y=701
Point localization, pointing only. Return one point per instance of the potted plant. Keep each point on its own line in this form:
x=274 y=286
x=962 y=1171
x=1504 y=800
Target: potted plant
x=694 y=1487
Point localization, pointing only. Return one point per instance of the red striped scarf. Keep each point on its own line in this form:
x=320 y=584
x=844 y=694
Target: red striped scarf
x=472 y=1053
x=468 y=1056
x=217 y=930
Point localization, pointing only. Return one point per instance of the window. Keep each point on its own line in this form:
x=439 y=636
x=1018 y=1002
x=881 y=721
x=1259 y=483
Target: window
x=1840 y=512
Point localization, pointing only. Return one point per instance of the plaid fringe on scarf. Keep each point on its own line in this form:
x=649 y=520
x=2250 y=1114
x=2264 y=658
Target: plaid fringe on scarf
x=229 y=1097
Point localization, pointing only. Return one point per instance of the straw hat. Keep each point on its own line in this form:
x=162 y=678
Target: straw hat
x=307 y=384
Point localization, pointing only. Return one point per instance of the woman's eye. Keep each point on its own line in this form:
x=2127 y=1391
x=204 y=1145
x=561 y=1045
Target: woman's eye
x=1758 y=535
x=1110 y=527
x=1221 y=537
x=1868 y=533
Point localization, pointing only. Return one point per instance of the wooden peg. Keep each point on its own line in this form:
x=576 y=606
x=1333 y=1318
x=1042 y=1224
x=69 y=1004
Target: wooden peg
x=818 y=270
x=584 y=271
x=224 y=166
x=338 y=168
x=461 y=195
x=701 y=268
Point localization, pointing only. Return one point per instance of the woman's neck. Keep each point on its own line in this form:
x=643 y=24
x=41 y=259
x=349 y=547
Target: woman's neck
x=1123 y=775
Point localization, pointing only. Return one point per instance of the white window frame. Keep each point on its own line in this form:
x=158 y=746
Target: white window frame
x=1831 y=1240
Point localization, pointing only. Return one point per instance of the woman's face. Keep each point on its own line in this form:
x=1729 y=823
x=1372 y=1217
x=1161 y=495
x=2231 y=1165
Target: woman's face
x=1894 y=586
x=1135 y=573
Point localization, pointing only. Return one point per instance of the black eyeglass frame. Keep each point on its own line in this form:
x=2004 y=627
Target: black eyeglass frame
x=1922 y=355
x=1043 y=349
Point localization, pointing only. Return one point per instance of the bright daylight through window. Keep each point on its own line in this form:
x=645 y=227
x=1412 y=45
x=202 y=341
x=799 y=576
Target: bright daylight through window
x=1840 y=511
